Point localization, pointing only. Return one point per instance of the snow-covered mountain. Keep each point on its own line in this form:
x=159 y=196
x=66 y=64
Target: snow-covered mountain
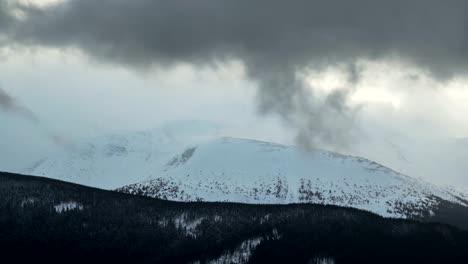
x=159 y=164
x=106 y=162
x=114 y=160
x=249 y=171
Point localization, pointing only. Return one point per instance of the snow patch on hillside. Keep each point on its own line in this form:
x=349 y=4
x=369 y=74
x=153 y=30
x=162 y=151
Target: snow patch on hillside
x=67 y=206
x=322 y=261
x=242 y=253
x=239 y=255
x=28 y=201
x=460 y=192
x=187 y=225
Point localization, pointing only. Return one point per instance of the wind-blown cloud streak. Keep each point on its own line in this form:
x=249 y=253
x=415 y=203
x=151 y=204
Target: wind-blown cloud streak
x=9 y=104
x=275 y=39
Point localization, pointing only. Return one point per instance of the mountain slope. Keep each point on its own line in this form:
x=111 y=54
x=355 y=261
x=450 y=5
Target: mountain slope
x=245 y=171
x=249 y=171
x=44 y=220
x=114 y=160
x=108 y=161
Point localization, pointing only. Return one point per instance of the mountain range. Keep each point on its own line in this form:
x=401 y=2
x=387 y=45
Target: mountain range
x=173 y=164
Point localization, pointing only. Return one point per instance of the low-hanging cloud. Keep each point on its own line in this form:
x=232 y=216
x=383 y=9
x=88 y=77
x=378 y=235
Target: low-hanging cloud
x=9 y=104
x=275 y=39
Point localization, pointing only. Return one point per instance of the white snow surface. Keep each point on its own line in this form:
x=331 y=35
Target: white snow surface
x=256 y=172
x=106 y=162
x=28 y=201
x=159 y=164
x=114 y=160
x=323 y=261
x=240 y=255
x=189 y=227
x=67 y=206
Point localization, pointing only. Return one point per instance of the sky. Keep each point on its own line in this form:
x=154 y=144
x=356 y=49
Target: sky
x=386 y=80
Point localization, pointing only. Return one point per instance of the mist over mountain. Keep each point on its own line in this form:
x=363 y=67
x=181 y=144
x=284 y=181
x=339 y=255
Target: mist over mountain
x=173 y=164
x=331 y=132
x=113 y=160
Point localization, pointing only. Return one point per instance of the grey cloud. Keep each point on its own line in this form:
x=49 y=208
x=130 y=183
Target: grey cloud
x=9 y=104
x=5 y=18
x=274 y=38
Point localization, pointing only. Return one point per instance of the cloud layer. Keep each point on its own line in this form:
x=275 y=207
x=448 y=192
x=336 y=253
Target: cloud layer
x=275 y=39
x=9 y=104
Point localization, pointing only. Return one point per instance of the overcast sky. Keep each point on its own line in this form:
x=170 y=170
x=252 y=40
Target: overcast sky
x=371 y=78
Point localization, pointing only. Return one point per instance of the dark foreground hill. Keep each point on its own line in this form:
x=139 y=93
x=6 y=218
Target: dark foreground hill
x=53 y=221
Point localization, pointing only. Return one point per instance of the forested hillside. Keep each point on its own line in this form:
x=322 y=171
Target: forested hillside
x=48 y=220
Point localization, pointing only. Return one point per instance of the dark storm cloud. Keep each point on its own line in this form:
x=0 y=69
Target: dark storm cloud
x=274 y=38
x=5 y=18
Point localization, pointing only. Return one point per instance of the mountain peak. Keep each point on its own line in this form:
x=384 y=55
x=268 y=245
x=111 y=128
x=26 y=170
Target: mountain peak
x=250 y=171
x=245 y=171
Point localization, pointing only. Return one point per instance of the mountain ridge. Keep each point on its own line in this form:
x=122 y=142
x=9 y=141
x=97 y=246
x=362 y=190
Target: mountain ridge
x=244 y=171
x=251 y=171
